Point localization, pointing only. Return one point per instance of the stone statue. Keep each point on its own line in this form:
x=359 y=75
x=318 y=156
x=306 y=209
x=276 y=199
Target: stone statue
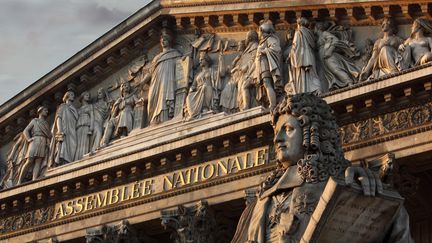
x=302 y=59
x=162 y=80
x=289 y=87
x=100 y=113
x=64 y=143
x=268 y=63
x=243 y=72
x=336 y=57
x=417 y=49
x=308 y=152
x=202 y=91
x=37 y=134
x=29 y=153
x=385 y=56
x=85 y=125
x=120 y=123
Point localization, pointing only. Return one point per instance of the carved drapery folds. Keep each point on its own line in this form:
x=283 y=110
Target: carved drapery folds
x=191 y=224
x=198 y=75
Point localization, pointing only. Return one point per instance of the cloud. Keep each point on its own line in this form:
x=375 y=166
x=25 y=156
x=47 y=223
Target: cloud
x=37 y=36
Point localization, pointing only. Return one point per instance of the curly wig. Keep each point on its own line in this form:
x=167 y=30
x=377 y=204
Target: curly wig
x=323 y=155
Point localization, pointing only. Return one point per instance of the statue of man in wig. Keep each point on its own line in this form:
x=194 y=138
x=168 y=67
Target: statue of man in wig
x=308 y=153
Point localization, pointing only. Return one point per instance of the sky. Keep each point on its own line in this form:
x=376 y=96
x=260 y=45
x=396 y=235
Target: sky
x=38 y=35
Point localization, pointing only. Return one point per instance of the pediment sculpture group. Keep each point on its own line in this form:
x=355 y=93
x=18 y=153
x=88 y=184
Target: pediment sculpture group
x=316 y=58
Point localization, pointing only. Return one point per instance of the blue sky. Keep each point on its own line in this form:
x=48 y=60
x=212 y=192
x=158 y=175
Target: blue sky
x=38 y=35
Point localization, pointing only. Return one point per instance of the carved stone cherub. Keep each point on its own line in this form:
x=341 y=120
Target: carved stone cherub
x=308 y=153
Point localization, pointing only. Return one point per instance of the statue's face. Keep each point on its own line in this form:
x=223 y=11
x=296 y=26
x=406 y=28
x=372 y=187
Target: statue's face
x=164 y=42
x=203 y=61
x=100 y=94
x=288 y=140
x=44 y=112
x=86 y=96
x=125 y=87
x=385 y=26
x=71 y=96
x=415 y=27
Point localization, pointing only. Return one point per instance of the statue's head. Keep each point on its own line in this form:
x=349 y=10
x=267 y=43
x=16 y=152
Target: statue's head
x=306 y=135
x=302 y=22
x=421 y=24
x=101 y=94
x=85 y=96
x=42 y=110
x=251 y=36
x=388 y=25
x=69 y=96
x=125 y=87
x=166 y=39
x=204 y=59
x=266 y=28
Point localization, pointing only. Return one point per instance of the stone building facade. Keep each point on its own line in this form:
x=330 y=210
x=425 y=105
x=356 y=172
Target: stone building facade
x=171 y=118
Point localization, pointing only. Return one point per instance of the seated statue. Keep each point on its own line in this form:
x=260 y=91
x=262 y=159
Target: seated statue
x=308 y=153
x=202 y=93
x=417 y=49
x=385 y=56
x=120 y=124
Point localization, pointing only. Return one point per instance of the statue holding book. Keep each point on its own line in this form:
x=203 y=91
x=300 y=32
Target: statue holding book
x=310 y=160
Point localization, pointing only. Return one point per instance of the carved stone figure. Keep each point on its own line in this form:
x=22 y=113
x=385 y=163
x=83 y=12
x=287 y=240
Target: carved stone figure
x=85 y=125
x=385 y=56
x=29 y=152
x=161 y=95
x=336 y=57
x=417 y=49
x=191 y=224
x=37 y=134
x=64 y=143
x=100 y=113
x=202 y=92
x=308 y=152
x=243 y=72
x=302 y=58
x=289 y=37
x=121 y=121
x=268 y=63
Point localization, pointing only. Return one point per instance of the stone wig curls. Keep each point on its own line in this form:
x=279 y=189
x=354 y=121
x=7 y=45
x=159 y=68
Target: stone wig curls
x=323 y=156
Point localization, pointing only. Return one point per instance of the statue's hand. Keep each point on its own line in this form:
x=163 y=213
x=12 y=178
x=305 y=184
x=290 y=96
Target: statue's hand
x=370 y=182
x=60 y=137
x=401 y=47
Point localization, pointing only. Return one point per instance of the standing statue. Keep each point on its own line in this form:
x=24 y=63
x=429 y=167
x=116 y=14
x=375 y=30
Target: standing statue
x=100 y=113
x=308 y=153
x=162 y=79
x=385 y=57
x=417 y=49
x=337 y=58
x=302 y=59
x=289 y=37
x=202 y=91
x=268 y=63
x=64 y=144
x=85 y=126
x=121 y=121
x=243 y=72
x=37 y=134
